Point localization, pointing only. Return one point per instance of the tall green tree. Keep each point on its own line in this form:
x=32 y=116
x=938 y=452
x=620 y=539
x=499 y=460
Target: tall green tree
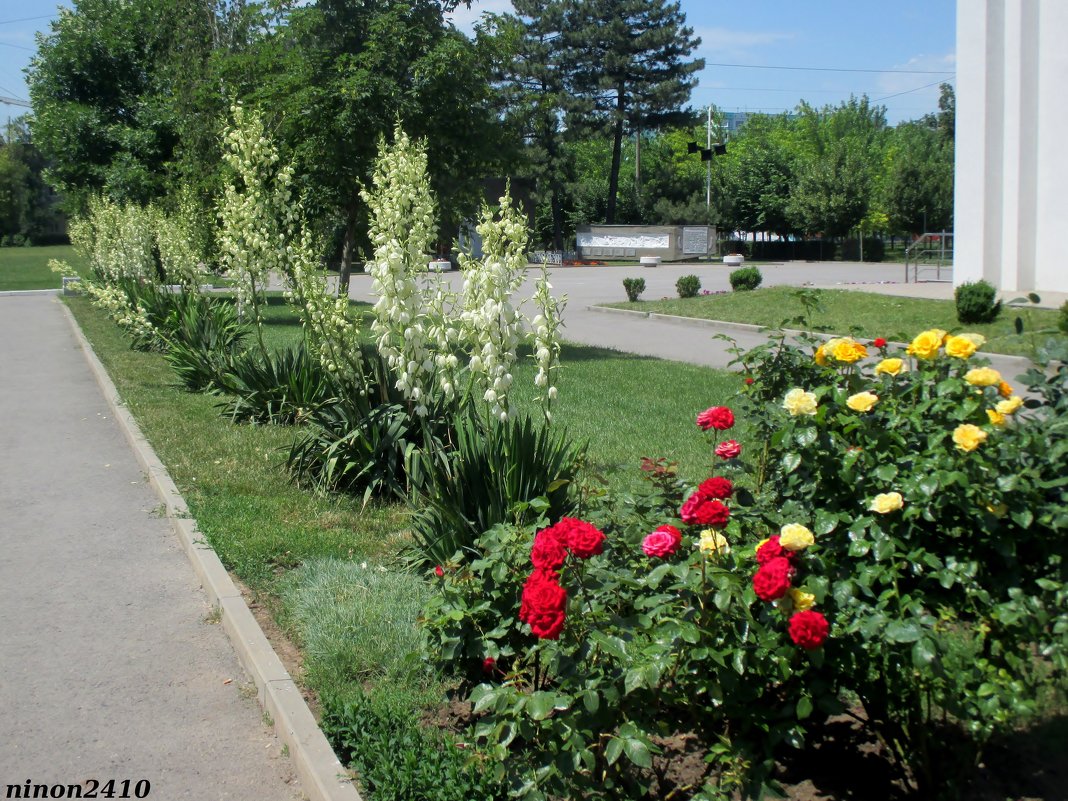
x=917 y=185
x=627 y=61
x=535 y=84
x=339 y=74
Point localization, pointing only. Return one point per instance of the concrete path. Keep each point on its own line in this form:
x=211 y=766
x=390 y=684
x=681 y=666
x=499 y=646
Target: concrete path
x=696 y=342
x=109 y=665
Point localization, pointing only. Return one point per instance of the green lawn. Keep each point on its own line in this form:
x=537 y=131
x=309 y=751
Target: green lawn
x=27 y=268
x=863 y=314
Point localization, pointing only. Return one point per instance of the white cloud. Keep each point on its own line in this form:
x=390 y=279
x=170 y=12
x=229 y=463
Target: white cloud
x=723 y=44
x=907 y=87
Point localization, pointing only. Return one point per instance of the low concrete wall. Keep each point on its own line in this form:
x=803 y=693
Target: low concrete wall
x=669 y=242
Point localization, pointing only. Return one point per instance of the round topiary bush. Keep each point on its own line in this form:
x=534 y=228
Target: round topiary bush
x=977 y=302
x=688 y=286
x=746 y=279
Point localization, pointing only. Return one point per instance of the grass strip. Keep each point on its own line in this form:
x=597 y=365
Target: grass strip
x=863 y=314
x=27 y=268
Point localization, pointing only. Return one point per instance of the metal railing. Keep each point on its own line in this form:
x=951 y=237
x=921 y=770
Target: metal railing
x=930 y=253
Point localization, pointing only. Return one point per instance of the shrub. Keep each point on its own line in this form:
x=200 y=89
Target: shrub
x=493 y=473
x=688 y=286
x=746 y=279
x=397 y=760
x=1062 y=322
x=940 y=530
x=275 y=387
x=203 y=336
x=634 y=288
x=977 y=303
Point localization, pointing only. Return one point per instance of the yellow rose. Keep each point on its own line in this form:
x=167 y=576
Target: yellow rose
x=825 y=351
x=862 y=401
x=848 y=351
x=1005 y=389
x=890 y=367
x=926 y=343
x=968 y=437
x=1009 y=406
x=983 y=377
x=797 y=401
x=963 y=346
x=886 y=502
x=996 y=418
x=795 y=537
x=801 y=600
x=713 y=543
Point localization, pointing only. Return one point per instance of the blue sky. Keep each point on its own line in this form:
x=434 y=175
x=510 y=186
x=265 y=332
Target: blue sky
x=890 y=37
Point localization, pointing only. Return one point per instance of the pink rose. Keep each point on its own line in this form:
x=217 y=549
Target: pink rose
x=661 y=543
x=728 y=449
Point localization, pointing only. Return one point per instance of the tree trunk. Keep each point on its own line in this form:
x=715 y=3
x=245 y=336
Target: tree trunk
x=346 y=254
x=617 y=153
x=558 y=216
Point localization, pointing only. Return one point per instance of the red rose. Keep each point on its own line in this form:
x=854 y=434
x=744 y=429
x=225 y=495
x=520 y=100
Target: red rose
x=771 y=550
x=548 y=552
x=489 y=664
x=718 y=417
x=749 y=381
x=728 y=449
x=543 y=603
x=809 y=629
x=662 y=543
x=879 y=342
x=580 y=537
x=716 y=487
x=701 y=511
x=439 y=571
x=773 y=579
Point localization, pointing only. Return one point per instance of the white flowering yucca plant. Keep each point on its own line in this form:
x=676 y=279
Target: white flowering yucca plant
x=117 y=239
x=402 y=230
x=255 y=212
x=176 y=240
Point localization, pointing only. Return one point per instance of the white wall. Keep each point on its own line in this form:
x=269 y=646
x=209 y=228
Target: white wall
x=1011 y=201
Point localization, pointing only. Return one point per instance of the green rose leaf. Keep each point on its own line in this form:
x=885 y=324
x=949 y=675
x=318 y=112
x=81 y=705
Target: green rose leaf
x=541 y=704
x=924 y=652
x=638 y=753
x=791 y=461
x=804 y=707
x=903 y=631
x=613 y=750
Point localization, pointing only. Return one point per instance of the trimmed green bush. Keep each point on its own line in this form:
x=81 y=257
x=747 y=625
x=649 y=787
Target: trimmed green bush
x=688 y=286
x=977 y=302
x=746 y=279
x=634 y=288
x=1062 y=323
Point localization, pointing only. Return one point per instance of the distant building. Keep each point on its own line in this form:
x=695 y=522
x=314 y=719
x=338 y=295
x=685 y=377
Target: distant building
x=1011 y=204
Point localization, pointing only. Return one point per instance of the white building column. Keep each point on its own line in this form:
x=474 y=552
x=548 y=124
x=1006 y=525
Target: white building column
x=1010 y=206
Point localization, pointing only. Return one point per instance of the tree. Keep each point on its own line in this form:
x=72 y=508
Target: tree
x=27 y=204
x=760 y=175
x=536 y=95
x=340 y=74
x=625 y=59
x=917 y=187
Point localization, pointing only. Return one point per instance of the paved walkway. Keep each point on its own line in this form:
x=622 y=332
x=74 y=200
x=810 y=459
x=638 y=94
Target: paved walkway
x=109 y=668
x=695 y=341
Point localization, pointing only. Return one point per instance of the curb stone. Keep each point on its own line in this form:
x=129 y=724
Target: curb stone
x=322 y=775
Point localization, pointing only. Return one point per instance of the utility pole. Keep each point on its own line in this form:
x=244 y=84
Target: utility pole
x=708 y=179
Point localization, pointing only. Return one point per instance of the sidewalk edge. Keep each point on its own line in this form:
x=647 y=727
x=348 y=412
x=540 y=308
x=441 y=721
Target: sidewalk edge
x=322 y=775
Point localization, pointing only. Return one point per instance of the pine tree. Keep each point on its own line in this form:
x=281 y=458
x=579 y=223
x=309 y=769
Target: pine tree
x=626 y=59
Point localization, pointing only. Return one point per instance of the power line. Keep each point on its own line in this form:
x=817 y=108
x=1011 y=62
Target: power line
x=907 y=91
x=831 y=69
x=18 y=47
x=25 y=19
